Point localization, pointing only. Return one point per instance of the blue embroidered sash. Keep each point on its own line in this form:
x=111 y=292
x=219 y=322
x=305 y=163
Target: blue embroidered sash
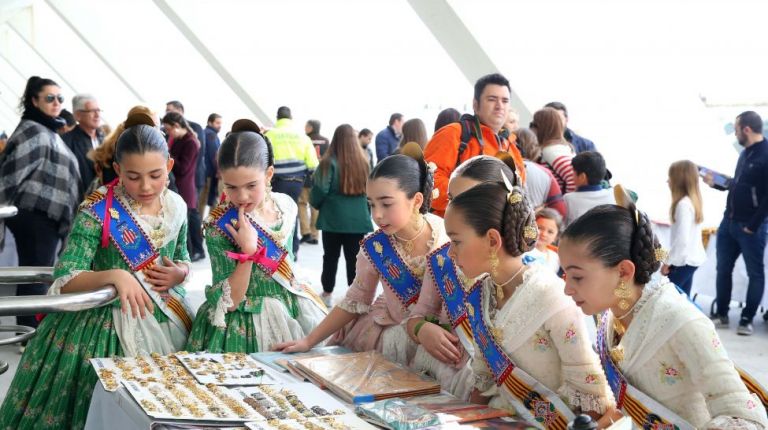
x=644 y=411
x=532 y=400
x=391 y=267
x=451 y=289
x=283 y=274
x=139 y=254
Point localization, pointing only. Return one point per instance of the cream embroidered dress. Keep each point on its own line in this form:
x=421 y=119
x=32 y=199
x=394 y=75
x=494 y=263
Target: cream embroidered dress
x=543 y=332
x=53 y=384
x=673 y=354
x=269 y=314
x=378 y=324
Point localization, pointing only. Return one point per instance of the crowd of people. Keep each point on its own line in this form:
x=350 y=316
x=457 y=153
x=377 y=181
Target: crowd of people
x=493 y=244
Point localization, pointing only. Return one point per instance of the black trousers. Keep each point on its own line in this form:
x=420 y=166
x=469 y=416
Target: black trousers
x=194 y=232
x=37 y=237
x=332 y=245
x=292 y=187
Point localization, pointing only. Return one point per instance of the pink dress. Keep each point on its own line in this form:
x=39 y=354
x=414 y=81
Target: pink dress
x=378 y=325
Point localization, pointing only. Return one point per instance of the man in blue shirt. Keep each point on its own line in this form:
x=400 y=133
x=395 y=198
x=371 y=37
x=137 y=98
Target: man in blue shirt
x=580 y=143
x=212 y=144
x=388 y=139
x=743 y=229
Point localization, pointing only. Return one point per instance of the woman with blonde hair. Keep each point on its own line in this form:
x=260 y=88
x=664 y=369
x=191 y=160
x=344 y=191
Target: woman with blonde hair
x=686 y=252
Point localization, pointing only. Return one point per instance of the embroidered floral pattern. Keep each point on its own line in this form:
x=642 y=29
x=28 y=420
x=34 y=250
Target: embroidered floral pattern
x=570 y=334
x=541 y=342
x=751 y=404
x=669 y=375
x=592 y=379
x=716 y=342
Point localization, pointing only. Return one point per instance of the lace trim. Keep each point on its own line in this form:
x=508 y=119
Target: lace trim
x=733 y=423
x=587 y=402
x=354 y=307
x=61 y=281
x=649 y=291
x=225 y=302
x=484 y=382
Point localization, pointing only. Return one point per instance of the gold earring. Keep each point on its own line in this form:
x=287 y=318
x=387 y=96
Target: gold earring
x=494 y=261
x=623 y=293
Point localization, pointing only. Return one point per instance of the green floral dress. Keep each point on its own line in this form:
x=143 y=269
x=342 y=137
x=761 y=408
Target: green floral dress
x=54 y=382
x=268 y=315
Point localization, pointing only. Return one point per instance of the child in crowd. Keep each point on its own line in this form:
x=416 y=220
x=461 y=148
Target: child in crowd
x=532 y=350
x=686 y=251
x=556 y=152
x=399 y=191
x=589 y=170
x=131 y=235
x=255 y=301
x=445 y=353
x=663 y=357
x=549 y=223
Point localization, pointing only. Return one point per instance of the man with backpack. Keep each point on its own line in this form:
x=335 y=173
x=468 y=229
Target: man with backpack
x=473 y=135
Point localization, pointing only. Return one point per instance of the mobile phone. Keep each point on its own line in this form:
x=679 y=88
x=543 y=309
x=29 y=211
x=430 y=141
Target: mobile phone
x=720 y=181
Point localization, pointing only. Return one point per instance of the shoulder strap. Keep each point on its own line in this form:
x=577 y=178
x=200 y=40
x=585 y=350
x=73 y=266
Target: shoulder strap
x=467 y=131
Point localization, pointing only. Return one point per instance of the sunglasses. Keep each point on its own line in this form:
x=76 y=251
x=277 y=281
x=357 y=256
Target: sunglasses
x=51 y=97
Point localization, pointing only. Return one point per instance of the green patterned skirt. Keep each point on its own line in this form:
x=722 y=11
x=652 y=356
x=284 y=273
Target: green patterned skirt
x=54 y=382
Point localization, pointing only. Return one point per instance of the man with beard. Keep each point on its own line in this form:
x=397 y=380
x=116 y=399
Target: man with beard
x=743 y=228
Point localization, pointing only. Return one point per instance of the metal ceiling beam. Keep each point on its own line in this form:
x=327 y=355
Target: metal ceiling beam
x=13 y=66
x=214 y=62
x=459 y=43
x=42 y=57
x=93 y=49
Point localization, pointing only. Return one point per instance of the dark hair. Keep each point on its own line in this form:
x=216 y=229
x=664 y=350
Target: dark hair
x=484 y=168
x=558 y=106
x=528 y=144
x=590 y=163
x=411 y=173
x=752 y=120
x=364 y=132
x=445 y=117
x=35 y=84
x=284 y=112
x=177 y=104
x=176 y=118
x=492 y=79
x=245 y=146
x=614 y=233
x=486 y=206
x=140 y=136
x=68 y=117
x=414 y=131
x=213 y=117
x=350 y=160
x=395 y=117
x=315 y=124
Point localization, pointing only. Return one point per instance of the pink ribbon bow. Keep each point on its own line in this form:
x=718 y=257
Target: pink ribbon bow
x=258 y=257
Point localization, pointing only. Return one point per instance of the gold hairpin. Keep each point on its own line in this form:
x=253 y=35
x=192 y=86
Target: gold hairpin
x=660 y=254
x=514 y=198
x=530 y=232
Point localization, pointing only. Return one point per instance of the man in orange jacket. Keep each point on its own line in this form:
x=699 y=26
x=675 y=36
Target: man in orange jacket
x=491 y=106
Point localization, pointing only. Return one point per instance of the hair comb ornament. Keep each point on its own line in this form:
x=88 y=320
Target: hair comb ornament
x=624 y=200
x=530 y=232
x=413 y=150
x=660 y=254
x=513 y=197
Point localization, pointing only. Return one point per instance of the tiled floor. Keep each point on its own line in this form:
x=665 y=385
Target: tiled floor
x=751 y=353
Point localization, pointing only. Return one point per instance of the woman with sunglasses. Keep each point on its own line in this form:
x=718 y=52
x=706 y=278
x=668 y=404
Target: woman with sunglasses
x=38 y=175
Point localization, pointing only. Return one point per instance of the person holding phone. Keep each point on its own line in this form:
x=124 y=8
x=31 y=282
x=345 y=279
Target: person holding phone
x=743 y=228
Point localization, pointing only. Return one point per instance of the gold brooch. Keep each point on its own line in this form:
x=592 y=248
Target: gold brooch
x=660 y=254
x=617 y=354
x=530 y=232
x=514 y=198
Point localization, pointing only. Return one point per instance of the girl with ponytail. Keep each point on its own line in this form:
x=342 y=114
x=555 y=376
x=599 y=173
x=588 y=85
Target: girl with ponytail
x=399 y=192
x=131 y=234
x=255 y=300
x=660 y=352
x=532 y=349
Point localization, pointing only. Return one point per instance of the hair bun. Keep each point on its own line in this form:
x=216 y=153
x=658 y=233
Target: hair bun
x=245 y=125
x=139 y=118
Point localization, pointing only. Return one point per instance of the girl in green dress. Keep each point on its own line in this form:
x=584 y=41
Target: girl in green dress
x=255 y=301
x=144 y=256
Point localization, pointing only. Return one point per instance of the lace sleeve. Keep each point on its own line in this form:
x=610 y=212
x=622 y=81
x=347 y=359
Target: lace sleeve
x=82 y=243
x=361 y=293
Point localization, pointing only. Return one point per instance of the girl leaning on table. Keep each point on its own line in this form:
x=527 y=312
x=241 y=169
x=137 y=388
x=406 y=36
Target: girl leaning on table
x=532 y=353
x=132 y=235
x=438 y=320
x=399 y=191
x=255 y=301
x=662 y=356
